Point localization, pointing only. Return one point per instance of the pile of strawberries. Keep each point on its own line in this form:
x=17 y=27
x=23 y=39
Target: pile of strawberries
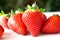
x=31 y=20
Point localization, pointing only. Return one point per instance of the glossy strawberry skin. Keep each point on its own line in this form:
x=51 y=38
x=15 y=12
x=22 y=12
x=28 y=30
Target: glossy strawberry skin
x=16 y=24
x=52 y=25
x=33 y=21
x=3 y=22
x=1 y=31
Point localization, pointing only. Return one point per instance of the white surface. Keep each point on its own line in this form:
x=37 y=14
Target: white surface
x=10 y=35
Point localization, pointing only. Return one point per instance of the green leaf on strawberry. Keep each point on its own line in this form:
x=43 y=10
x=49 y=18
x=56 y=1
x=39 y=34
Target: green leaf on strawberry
x=10 y=14
x=34 y=7
x=2 y=13
x=42 y=10
x=19 y=10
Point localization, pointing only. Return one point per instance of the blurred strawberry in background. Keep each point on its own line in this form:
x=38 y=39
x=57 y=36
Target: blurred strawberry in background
x=1 y=30
x=3 y=20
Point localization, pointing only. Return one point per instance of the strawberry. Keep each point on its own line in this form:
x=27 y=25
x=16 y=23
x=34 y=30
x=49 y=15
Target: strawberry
x=16 y=24
x=33 y=18
x=3 y=20
x=52 y=25
x=1 y=31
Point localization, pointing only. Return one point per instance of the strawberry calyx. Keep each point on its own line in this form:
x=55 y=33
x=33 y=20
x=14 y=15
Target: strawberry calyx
x=10 y=14
x=14 y=12
x=42 y=10
x=19 y=11
x=2 y=13
x=34 y=7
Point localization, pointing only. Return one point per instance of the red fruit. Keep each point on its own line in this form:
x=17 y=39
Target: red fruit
x=33 y=21
x=3 y=21
x=16 y=24
x=52 y=25
x=1 y=31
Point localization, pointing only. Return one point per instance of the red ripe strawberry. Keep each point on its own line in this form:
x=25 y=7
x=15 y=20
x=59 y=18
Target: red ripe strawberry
x=1 y=31
x=33 y=19
x=3 y=20
x=52 y=25
x=16 y=24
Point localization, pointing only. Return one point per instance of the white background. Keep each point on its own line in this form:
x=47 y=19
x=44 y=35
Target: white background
x=10 y=35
